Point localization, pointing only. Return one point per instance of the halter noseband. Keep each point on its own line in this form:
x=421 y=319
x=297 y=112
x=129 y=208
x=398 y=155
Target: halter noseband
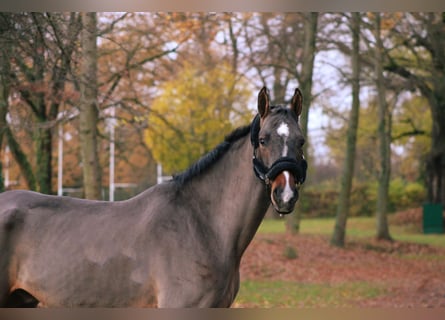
x=267 y=175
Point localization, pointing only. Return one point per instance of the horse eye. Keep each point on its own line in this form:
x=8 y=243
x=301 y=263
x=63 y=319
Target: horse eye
x=301 y=142
x=262 y=141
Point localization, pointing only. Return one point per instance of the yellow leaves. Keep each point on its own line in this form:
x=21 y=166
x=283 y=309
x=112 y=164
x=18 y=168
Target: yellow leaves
x=388 y=19
x=193 y=113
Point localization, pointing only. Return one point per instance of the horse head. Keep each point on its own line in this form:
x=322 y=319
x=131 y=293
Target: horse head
x=278 y=150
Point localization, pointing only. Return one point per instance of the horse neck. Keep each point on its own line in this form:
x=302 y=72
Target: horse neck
x=235 y=201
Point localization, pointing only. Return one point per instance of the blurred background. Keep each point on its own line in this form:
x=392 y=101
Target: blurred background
x=104 y=105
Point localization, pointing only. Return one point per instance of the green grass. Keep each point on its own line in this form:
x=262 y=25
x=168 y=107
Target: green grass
x=431 y=239
x=272 y=226
x=289 y=294
x=357 y=227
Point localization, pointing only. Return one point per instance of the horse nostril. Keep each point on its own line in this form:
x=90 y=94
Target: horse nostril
x=276 y=192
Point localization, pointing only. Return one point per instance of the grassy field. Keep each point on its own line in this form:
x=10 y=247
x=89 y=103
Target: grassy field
x=272 y=293
x=268 y=294
x=357 y=227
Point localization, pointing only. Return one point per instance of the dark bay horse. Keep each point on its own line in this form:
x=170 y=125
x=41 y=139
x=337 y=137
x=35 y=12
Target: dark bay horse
x=177 y=244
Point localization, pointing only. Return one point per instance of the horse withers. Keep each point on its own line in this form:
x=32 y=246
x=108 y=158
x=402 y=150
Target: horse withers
x=177 y=244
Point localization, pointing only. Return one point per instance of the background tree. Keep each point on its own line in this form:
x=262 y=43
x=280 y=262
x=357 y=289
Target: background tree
x=424 y=69
x=136 y=54
x=338 y=237
x=193 y=113
x=41 y=61
x=4 y=90
x=384 y=136
x=411 y=131
x=282 y=50
x=6 y=131
x=89 y=109
x=305 y=81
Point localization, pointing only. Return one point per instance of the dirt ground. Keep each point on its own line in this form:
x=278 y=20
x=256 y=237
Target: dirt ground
x=413 y=275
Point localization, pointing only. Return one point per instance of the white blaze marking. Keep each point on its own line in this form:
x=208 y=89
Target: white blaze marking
x=283 y=131
x=287 y=192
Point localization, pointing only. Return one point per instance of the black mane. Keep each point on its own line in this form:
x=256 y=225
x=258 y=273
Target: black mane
x=207 y=160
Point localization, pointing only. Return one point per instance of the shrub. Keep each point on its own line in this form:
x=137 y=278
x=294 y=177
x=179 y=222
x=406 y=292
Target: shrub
x=290 y=253
x=404 y=195
x=322 y=202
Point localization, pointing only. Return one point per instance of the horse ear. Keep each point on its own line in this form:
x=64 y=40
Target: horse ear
x=297 y=102
x=263 y=102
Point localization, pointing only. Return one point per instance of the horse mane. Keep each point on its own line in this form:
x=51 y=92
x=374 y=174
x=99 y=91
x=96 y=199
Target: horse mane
x=213 y=156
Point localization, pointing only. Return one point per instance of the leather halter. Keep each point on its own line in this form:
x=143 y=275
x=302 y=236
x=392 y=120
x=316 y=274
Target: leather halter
x=266 y=174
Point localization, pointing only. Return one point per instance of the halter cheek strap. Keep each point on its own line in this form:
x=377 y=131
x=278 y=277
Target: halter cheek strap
x=267 y=175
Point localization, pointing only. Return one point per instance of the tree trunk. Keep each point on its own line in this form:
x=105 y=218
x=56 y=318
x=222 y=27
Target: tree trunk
x=4 y=94
x=305 y=83
x=6 y=135
x=21 y=159
x=436 y=160
x=2 y=181
x=3 y=125
x=44 y=158
x=88 y=108
x=384 y=137
x=5 y=132
x=338 y=237
x=435 y=165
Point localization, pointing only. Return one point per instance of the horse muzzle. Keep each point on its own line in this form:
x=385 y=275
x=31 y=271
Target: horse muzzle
x=284 y=193
x=283 y=179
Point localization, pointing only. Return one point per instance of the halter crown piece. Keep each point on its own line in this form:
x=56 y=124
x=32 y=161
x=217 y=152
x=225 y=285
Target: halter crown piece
x=267 y=175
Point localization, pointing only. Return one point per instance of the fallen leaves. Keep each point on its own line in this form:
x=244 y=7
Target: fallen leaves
x=412 y=274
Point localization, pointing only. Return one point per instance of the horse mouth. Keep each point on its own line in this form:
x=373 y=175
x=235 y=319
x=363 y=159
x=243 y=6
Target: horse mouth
x=284 y=208
x=283 y=212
